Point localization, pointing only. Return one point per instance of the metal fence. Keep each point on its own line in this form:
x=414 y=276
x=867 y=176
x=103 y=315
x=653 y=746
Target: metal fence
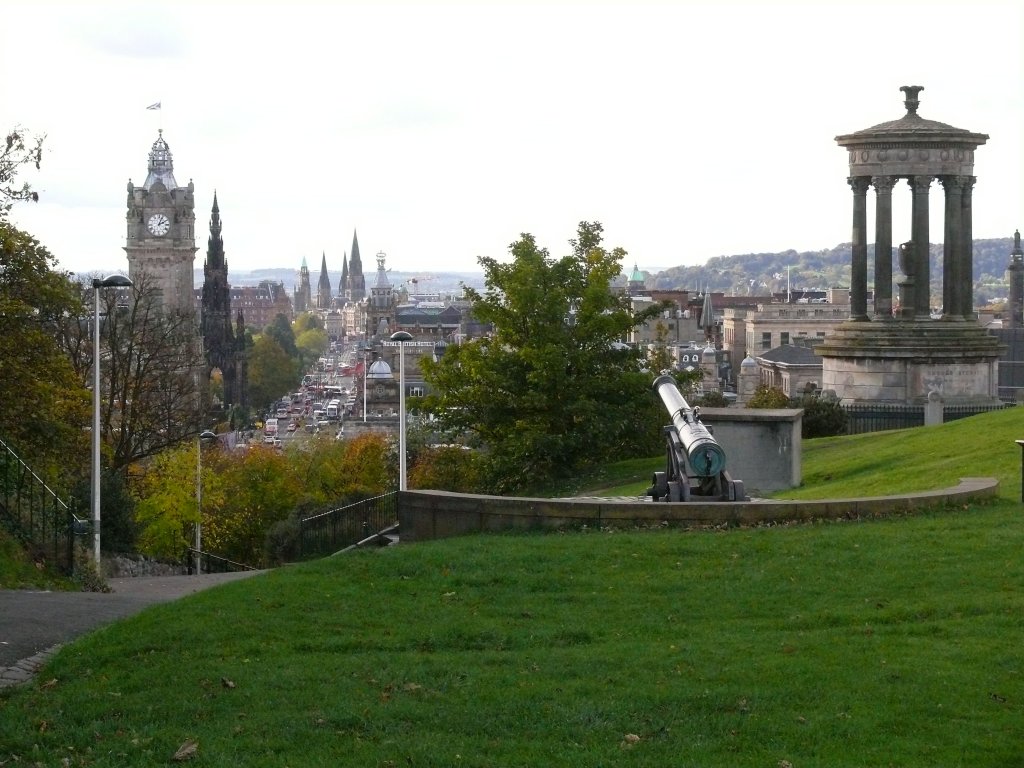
x=336 y=529
x=876 y=417
x=33 y=512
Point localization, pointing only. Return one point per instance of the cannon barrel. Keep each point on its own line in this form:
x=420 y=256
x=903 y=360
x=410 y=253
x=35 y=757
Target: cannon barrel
x=704 y=455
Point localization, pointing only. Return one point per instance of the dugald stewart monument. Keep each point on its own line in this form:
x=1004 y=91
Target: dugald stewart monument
x=899 y=350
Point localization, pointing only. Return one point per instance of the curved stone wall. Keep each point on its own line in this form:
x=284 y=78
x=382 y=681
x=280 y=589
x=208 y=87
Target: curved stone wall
x=425 y=515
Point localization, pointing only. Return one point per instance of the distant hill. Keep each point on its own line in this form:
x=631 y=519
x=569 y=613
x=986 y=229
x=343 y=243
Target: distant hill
x=750 y=274
x=761 y=274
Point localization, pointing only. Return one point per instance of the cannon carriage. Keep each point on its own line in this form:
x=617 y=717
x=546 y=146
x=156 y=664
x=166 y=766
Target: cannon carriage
x=695 y=464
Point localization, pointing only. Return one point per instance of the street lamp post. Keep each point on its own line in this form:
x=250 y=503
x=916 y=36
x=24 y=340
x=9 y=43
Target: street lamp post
x=401 y=337
x=114 y=281
x=366 y=351
x=204 y=437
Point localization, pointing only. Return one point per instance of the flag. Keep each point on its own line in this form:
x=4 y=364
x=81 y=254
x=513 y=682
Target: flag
x=154 y=106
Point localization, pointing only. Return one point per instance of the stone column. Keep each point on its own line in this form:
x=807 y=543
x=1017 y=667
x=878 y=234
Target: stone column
x=859 y=265
x=883 y=246
x=966 y=283
x=952 y=261
x=919 y=234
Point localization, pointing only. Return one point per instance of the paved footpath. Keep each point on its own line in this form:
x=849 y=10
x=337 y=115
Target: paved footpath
x=33 y=624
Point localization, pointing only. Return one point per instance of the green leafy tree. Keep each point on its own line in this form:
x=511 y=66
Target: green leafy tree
x=307 y=321
x=334 y=472
x=823 y=416
x=272 y=372
x=552 y=389
x=713 y=399
x=447 y=468
x=768 y=397
x=47 y=405
x=659 y=359
x=166 y=509
x=280 y=330
x=311 y=343
x=259 y=490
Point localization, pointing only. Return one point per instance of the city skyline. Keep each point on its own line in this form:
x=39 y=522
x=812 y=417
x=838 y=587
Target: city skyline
x=441 y=132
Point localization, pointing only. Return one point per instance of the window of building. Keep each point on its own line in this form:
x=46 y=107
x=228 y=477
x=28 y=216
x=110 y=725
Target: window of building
x=784 y=337
x=766 y=340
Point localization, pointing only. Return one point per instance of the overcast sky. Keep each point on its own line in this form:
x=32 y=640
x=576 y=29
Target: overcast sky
x=441 y=131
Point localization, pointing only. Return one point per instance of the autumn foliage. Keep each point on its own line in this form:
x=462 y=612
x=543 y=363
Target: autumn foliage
x=249 y=491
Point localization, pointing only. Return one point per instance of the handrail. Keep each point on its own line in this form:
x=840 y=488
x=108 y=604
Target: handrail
x=36 y=514
x=209 y=556
x=334 y=530
x=42 y=482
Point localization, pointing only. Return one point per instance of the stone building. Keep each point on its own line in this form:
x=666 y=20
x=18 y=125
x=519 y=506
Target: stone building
x=161 y=244
x=792 y=368
x=380 y=305
x=261 y=303
x=751 y=331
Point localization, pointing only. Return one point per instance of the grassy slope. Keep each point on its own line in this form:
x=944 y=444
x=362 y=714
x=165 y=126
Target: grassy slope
x=870 y=644
x=881 y=463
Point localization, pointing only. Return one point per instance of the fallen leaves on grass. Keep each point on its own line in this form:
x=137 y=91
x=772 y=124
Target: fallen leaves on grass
x=186 y=751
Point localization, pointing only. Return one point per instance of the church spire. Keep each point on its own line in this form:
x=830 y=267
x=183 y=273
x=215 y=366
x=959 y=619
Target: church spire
x=355 y=288
x=323 y=295
x=356 y=262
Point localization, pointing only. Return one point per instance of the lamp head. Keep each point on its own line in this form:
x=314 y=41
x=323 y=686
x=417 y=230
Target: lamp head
x=401 y=336
x=114 y=281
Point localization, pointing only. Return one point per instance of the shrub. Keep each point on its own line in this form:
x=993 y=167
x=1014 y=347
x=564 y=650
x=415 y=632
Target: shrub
x=768 y=397
x=823 y=417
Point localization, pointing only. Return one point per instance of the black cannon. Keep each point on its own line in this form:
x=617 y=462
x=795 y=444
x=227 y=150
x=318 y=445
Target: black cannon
x=695 y=467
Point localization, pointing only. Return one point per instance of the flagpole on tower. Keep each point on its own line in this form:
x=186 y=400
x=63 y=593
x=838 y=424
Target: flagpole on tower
x=155 y=106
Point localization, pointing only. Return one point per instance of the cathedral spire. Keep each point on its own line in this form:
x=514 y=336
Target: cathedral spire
x=323 y=295
x=356 y=262
x=344 y=275
x=355 y=287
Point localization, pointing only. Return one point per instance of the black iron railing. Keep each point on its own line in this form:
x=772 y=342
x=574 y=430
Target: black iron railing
x=876 y=417
x=33 y=512
x=336 y=529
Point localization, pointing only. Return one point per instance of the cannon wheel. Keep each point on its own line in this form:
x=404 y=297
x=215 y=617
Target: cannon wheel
x=678 y=491
x=659 y=486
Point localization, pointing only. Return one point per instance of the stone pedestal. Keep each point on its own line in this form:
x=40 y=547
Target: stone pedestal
x=902 y=362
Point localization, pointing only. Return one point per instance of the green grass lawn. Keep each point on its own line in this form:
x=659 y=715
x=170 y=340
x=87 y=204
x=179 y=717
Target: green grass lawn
x=885 y=643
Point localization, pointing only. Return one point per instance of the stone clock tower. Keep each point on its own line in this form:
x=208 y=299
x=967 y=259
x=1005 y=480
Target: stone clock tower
x=161 y=244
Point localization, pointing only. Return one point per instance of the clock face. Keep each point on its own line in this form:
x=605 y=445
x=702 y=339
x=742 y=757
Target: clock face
x=158 y=224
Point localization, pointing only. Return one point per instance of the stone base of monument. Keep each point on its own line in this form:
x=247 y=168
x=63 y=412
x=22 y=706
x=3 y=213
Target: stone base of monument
x=905 y=361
